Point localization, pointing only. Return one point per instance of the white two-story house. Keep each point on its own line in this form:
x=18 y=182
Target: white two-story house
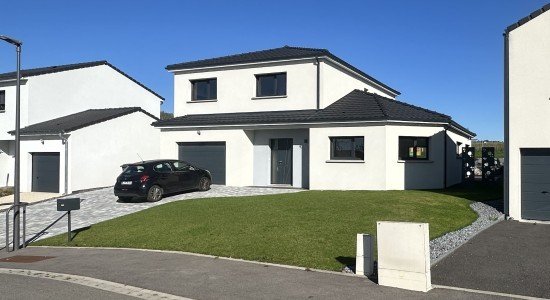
x=79 y=123
x=305 y=118
x=527 y=122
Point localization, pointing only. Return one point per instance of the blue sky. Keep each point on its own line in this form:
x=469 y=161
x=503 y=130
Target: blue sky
x=445 y=56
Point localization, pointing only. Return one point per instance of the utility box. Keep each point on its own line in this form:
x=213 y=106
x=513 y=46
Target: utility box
x=364 y=261
x=404 y=255
x=68 y=204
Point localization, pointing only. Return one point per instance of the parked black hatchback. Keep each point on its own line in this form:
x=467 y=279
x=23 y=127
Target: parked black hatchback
x=154 y=178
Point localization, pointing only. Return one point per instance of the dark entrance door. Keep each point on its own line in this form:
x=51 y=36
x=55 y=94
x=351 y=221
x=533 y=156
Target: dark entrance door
x=206 y=155
x=281 y=161
x=535 y=184
x=45 y=172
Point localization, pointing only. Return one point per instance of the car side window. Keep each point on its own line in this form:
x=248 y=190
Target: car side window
x=162 y=168
x=181 y=166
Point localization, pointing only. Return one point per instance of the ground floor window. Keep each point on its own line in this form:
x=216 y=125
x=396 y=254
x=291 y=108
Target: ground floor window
x=347 y=147
x=413 y=148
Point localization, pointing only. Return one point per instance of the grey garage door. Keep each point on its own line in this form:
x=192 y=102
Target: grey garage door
x=45 y=172
x=535 y=184
x=207 y=155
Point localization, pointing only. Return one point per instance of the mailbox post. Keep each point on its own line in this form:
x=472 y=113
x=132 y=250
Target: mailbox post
x=68 y=204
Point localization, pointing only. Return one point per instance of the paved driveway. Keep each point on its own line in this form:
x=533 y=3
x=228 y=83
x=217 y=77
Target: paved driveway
x=509 y=257
x=100 y=205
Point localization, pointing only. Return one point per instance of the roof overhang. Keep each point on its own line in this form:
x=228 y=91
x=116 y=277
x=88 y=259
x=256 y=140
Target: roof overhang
x=296 y=125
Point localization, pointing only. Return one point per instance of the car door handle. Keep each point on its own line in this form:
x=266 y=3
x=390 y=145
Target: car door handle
x=544 y=192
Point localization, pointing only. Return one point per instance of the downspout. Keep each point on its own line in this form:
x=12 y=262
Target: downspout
x=318 y=82
x=506 y=123
x=445 y=158
x=65 y=141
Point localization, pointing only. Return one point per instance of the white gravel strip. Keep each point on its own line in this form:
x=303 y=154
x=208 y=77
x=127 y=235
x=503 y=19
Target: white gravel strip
x=444 y=245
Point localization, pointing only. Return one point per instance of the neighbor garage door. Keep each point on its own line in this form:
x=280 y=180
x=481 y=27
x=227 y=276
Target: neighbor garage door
x=45 y=172
x=535 y=184
x=207 y=155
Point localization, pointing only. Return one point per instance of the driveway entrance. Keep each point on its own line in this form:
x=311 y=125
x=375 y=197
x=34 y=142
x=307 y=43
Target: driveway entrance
x=509 y=257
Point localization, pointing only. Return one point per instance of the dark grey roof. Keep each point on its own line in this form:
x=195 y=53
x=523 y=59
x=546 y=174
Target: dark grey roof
x=528 y=18
x=281 y=53
x=354 y=107
x=62 y=68
x=79 y=120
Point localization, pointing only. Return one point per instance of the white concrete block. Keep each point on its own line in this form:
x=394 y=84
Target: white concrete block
x=404 y=255
x=364 y=262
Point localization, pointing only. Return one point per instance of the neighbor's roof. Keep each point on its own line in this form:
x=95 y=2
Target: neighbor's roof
x=356 y=106
x=79 y=120
x=63 y=68
x=528 y=18
x=282 y=53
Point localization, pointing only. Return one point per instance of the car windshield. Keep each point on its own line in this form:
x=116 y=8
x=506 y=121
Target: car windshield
x=134 y=170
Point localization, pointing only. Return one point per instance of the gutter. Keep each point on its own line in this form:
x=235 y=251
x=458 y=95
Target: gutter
x=445 y=158
x=65 y=141
x=506 y=122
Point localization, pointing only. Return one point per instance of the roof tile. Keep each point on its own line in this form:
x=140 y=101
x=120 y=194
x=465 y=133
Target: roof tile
x=282 y=53
x=78 y=120
x=356 y=106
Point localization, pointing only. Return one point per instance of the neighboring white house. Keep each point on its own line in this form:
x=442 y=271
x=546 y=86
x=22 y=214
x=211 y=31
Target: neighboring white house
x=108 y=103
x=527 y=121
x=305 y=118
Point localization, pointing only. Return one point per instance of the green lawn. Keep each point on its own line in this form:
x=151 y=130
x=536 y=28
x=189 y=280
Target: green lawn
x=315 y=229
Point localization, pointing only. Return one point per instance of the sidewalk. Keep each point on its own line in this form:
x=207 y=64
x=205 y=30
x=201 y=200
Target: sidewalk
x=30 y=197
x=178 y=275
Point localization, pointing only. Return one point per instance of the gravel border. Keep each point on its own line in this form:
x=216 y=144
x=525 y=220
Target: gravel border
x=446 y=244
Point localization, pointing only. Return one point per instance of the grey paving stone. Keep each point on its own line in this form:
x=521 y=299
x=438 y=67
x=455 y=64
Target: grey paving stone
x=101 y=205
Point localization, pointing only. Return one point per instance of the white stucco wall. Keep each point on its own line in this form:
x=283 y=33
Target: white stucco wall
x=7 y=150
x=7 y=117
x=63 y=93
x=300 y=155
x=369 y=174
x=236 y=89
x=529 y=99
x=415 y=174
x=381 y=169
x=39 y=144
x=454 y=156
x=98 y=151
x=239 y=150
x=336 y=82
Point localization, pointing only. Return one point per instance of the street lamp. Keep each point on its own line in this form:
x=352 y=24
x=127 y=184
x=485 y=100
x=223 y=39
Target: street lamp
x=16 y=192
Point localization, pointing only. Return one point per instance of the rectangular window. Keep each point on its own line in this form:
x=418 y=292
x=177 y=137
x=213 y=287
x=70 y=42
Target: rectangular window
x=413 y=148
x=204 y=89
x=2 y=100
x=352 y=147
x=271 y=85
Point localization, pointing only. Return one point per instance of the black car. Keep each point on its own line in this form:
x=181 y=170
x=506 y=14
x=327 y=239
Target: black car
x=154 y=178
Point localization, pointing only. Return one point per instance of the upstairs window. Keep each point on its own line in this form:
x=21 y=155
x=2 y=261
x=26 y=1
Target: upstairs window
x=413 y=148
x=204 y=89
x=271 y=85
x=348 y=148
x=2 y=100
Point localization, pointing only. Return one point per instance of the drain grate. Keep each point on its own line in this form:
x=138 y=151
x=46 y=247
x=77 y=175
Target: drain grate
x=25 y=258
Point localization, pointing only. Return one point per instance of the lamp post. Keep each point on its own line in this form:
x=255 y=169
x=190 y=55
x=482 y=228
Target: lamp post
x=16 y=192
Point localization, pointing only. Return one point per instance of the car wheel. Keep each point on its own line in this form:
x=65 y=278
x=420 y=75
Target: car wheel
x=124 y=199
x=204 y=184
x=154 y=194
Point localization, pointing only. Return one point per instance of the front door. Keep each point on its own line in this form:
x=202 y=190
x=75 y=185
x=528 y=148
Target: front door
x=281 y=161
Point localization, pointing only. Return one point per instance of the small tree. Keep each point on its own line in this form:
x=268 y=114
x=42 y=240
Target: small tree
x=166 y=115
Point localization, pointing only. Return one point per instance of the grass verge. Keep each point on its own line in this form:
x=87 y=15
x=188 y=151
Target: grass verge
x=315 y=229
